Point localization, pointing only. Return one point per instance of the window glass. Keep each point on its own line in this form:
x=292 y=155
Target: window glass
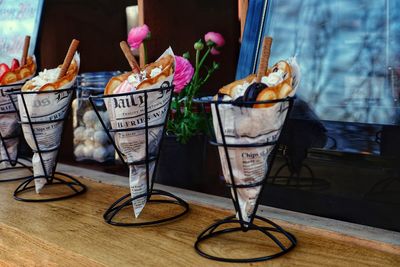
x=349 y=53
x=18 y=18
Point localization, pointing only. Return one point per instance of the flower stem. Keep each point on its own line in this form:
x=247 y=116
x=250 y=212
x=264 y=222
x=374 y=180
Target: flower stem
x=204 y=56
x=197 y=83
x=197 y=58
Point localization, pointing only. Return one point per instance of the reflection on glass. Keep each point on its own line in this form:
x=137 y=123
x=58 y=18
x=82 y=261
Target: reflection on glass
x=349 y=52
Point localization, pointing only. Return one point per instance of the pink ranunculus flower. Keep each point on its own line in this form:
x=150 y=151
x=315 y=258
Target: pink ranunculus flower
x=137 y=35
x=183 y=73
x=215 y=51
x=215 y=37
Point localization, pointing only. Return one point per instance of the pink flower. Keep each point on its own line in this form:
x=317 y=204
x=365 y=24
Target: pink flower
x=137 y=35
x=214 y=51
x=215 y=37
x=183 y=73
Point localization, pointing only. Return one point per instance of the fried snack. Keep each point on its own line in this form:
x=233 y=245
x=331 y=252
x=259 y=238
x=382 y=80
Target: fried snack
x=166 y=63
x=278 y=91
x=283 y=66
x=114 y=82
x=227 y=89
x=266 y=94
x=20 y=73
x=68 y=77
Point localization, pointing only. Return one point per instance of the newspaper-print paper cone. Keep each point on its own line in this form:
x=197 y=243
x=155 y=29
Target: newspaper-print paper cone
x=243 y=125
x=9 y=127
x=45 y=106
x=128 y=112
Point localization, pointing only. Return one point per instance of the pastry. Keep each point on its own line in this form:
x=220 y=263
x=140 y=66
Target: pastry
x=148 y=76
x=15 y=73
x=48 y=78
x=276 y=83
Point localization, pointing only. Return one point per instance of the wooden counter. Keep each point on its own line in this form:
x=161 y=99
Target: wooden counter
x=72 y=233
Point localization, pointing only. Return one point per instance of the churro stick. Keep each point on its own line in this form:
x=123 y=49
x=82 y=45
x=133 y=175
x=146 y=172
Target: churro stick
x=266 y=51
x=25 y=50
x=68 y=58
x=131 y=59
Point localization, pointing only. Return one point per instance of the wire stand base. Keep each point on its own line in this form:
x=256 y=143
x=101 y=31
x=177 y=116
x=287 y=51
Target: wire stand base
x=58 y=180
x=15 y=165
x=268 y=231
x=126 y=201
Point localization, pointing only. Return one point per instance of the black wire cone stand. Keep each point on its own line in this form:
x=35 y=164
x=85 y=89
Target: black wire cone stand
x=16 y=164
x=224 y=226
x=126 y=200
x=57 y=179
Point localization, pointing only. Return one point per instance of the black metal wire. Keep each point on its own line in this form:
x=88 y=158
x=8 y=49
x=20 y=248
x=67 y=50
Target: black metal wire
x=58 y=179
x=61 y=179
x=126 y=200
x=15 y=164
x=212 y=232
x=245 y=226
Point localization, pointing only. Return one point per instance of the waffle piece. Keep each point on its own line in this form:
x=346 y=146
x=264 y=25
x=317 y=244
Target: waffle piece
x=20 y=73
x=166 y=63
x=72 y=72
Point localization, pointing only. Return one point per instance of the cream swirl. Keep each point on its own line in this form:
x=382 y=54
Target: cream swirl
x=154 y=72
x=239 y=90
x=273 y=78
x=44 y=77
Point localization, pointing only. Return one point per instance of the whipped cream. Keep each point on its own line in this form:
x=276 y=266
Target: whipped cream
x=239 y=90
x=135 y=78
x=44 y=77
x=273 y=78
x=154 y=72
x=130 y=84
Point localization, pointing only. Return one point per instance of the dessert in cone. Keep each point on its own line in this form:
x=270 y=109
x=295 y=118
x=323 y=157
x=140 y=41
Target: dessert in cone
x=280 y=90
x=253 y=125
x=126 y=109
x=165 y=64
x=11 y=78
x=58 y=83
x=46 y=112
x=20 y=73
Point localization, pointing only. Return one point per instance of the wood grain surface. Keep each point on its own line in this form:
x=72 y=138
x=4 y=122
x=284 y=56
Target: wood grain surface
x=72 y=233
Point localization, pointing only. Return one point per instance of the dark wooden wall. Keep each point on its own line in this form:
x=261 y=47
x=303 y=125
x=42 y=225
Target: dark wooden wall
x=99 y=24
x=180 y=23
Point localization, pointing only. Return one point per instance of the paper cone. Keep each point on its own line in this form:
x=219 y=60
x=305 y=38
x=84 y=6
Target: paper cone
x=128 y=112
x=9 y=126
x=44 y=107
x=132 y=143
x=243 y=125
x=248 y=126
